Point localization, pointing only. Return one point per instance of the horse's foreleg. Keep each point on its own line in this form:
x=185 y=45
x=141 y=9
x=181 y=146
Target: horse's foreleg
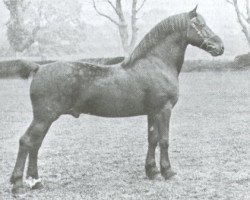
x=163 y=124
x=150 y=166
x=29 y=141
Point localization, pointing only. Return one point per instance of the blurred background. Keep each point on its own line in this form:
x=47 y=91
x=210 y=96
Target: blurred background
x=69 y=29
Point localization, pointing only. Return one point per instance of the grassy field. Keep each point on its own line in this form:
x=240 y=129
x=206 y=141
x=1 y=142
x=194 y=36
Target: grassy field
x=100 y=158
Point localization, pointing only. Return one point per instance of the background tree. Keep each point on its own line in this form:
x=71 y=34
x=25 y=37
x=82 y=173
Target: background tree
x=61 y=29
x=243 y=16
x=20 y=37
x=128 y=34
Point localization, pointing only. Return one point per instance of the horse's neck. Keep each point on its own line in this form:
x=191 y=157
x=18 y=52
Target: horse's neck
x=171 y=51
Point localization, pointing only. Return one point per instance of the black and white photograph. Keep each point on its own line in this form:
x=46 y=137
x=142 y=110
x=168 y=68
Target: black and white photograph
x=125 y=99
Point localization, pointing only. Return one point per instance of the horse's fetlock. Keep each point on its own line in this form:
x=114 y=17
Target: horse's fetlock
x=15 y=177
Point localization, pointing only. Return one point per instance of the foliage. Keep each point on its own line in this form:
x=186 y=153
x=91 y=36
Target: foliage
x=20 y=37
x=44 y=28
x=242 y=60
x=211 y=65
x=62 y=29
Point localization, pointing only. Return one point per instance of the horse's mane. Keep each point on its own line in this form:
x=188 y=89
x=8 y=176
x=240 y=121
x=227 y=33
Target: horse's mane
x=156 y=35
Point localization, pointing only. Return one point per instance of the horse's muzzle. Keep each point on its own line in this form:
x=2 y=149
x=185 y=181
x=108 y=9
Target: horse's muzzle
x=215 y=46
x=217 y=51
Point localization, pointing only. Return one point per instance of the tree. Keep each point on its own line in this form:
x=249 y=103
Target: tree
x=243 y=16
x=128 y=36
x=61 y=29
x=19 y=36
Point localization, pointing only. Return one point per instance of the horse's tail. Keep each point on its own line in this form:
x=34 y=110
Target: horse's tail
x=17 y=69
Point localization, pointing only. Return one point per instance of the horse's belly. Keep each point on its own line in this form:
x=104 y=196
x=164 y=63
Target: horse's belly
x=121 y=103
x=113 y=106
x=116 y=112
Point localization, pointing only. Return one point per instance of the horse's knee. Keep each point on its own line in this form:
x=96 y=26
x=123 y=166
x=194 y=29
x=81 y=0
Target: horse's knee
x=153 y=140
x=164 y=143
x=152 y=136
x=27 y=142
x=24 y=142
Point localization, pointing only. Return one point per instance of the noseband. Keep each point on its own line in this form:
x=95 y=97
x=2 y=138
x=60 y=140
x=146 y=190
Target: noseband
x=206 y=40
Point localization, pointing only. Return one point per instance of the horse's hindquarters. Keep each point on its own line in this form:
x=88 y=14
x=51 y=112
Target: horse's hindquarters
x=54 y=90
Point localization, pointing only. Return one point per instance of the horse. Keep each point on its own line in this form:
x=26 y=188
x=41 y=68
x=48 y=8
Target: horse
x=145 y=83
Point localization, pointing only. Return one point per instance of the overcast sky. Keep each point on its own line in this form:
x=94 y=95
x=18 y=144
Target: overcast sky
x=211 y=9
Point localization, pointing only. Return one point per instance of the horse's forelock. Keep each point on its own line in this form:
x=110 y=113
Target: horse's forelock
x=157 y=34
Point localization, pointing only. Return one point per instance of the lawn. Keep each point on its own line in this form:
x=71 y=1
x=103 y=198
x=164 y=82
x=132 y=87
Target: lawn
x=101 y=158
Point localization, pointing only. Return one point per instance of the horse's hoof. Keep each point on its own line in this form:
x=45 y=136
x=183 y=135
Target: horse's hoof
x=168 y=174
x=34 y=183
x=37 y=186
x=18 y=187
x=18 y=190
x=152 y=172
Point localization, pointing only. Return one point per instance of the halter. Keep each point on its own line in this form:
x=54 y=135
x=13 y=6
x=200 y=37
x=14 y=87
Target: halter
x=202 y=36
x=206 y=40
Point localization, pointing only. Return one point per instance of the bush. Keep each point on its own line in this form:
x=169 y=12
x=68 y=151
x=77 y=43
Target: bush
x=242 y=60
x=210 y=65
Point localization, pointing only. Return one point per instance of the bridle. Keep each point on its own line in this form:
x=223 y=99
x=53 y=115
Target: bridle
x=205 y=41
x=202 y=35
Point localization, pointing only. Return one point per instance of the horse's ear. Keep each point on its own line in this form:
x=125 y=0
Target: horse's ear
x=193 y=12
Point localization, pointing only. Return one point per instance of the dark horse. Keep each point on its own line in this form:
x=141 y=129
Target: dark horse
x=144 y=84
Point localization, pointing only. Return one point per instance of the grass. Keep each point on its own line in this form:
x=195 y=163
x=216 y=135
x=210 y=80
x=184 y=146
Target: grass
x=100 y=158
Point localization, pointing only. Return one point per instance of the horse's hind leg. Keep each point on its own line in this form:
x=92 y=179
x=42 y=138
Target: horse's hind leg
x=29 y=142
x=150 y=166
x=32 y=170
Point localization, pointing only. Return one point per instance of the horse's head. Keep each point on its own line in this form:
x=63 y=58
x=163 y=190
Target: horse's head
x=200 y=35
